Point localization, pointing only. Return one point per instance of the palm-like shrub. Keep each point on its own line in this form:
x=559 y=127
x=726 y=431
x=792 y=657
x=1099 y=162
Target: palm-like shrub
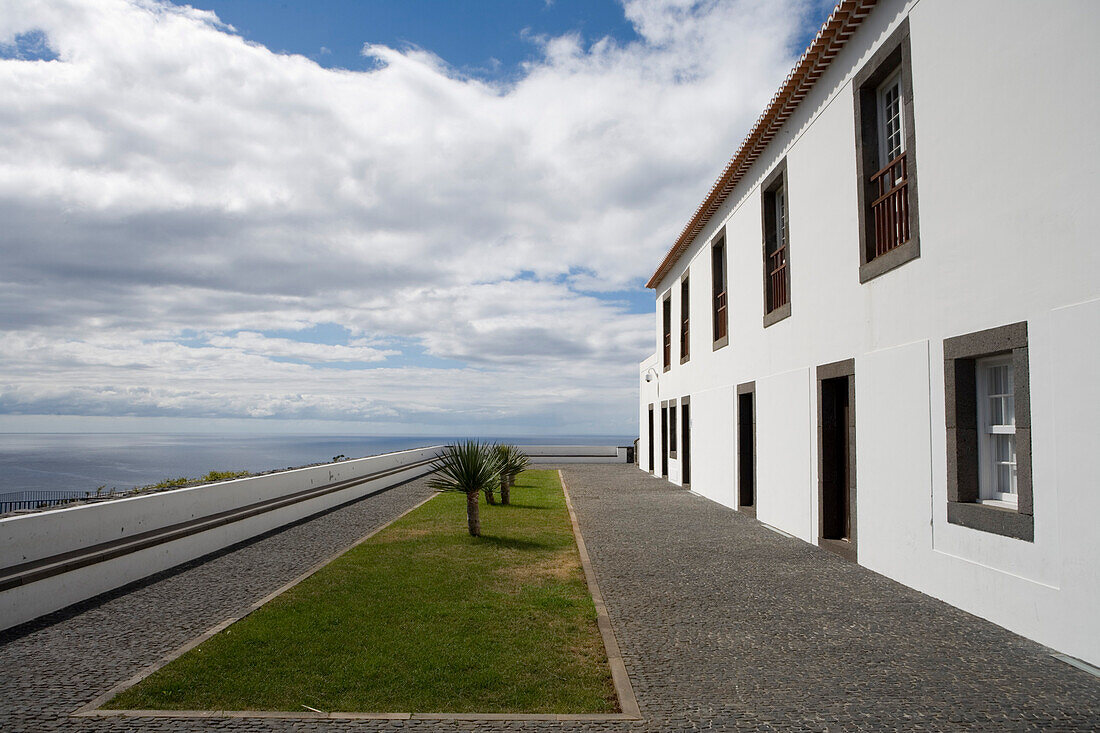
x=512 y=462
x=468 y=467
x=500 y=455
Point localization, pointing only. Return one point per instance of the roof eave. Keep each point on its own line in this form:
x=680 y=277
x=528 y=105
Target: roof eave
x=834 y=33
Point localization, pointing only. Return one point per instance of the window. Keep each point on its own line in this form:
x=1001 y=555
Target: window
x=666 y=308
x=685 y=331
x=885 y=165
x=672 y=428
x=997 y=430
x=988 y=422
x=777 y=273
x=890 y=138
x=718 y=291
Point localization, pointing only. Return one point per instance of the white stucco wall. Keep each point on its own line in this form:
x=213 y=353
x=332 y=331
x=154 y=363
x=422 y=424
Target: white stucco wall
x=1007 y=168
x=786 y=490
x=713 y=449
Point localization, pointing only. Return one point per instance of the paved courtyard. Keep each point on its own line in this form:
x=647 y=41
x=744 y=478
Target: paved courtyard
x=722 y=623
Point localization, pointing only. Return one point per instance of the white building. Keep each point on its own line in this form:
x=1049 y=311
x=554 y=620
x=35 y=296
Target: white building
x=912 y=387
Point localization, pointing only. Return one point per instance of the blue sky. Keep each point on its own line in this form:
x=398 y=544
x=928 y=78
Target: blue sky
x=391 y=216
x=486 y=38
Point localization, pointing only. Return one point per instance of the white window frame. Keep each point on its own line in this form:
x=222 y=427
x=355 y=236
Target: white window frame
x=880 y=103
x=987 y=430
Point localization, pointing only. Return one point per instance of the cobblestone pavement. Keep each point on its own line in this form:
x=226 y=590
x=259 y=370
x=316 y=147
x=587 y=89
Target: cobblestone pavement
x=723 y=624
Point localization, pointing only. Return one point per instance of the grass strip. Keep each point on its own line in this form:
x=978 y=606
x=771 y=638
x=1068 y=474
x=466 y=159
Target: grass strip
x=419 y=618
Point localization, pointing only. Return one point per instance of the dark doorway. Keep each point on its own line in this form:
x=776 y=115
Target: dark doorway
x=685 y=442
x=746 y=449
x=664 y=439
x=836 y=467
x=650 y=465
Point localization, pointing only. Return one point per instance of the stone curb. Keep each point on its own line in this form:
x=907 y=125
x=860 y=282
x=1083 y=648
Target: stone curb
x=628 y=703
x=287 y=715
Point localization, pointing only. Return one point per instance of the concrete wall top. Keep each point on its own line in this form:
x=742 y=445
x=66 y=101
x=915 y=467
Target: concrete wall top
x=569 y=450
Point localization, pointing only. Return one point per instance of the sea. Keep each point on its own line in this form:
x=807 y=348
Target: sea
x=120 y=461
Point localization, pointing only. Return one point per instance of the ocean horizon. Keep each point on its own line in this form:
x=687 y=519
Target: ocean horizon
x=122 y=461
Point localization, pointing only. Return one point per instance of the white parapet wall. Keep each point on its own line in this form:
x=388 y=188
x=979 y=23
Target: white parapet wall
x=575 y=453
x=53 y=559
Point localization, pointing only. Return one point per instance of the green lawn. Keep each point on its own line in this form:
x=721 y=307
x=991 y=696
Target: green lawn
x=420 y=618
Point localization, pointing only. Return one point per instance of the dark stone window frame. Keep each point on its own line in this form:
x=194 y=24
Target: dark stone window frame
x=743 y=389
x=894 y=53
x=719 y=260
x=775 y=180
x=685 y=317
x=845 y=368
x=961 y=421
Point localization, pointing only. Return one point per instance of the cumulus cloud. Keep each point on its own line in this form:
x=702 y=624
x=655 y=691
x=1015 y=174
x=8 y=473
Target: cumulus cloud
x=180 y=207
x=251 y=342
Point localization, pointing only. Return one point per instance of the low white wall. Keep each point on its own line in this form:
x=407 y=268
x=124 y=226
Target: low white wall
x=574 y=453
x=36 y=536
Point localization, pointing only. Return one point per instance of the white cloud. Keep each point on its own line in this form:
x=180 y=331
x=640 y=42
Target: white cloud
x=165 y=178
x=254 y=343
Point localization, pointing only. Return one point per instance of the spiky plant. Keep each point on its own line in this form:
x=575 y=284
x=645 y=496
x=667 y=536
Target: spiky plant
x=514 y=461
x=494 y=451
x=500 y=454
x=469 y=467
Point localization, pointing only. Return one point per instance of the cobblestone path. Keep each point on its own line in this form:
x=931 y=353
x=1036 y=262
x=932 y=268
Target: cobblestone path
x=723 y=625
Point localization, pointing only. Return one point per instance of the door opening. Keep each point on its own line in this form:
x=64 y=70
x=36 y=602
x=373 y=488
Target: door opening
x=685 y=442
x=837 y=472
x=664 y=440
x=746 y=453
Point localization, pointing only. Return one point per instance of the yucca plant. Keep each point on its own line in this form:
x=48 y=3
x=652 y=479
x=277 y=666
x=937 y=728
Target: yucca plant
x=500 y=454
x=494 y=451
x=469 y=467
x=513 y=461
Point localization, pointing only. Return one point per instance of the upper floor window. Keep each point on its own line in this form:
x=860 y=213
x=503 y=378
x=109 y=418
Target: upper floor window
x=719 y=312
x=777 y=275
x=776 y=251
x=685 y=329
x=666 y=319
x=885 y=158
x=890 y=184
